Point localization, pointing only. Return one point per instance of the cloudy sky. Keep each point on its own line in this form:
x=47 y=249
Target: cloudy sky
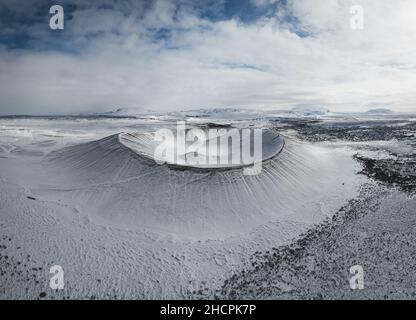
x=176 y=55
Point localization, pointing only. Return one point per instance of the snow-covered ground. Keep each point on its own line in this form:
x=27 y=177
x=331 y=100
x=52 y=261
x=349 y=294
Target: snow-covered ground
x=71 y=194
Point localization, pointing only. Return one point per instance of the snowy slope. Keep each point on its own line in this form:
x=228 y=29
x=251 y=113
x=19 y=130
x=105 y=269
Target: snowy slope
x=124 y=227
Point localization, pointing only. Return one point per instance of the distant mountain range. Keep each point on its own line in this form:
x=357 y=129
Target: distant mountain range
x=298 y=111
x=379 y=111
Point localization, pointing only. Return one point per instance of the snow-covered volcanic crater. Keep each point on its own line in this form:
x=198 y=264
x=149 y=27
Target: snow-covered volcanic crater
x=116 y=181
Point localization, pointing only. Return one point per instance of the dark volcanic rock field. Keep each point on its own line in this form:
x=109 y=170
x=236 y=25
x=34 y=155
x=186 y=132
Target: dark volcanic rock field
x=376 y=230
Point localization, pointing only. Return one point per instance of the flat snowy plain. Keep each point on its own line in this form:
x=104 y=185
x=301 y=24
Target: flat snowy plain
x=122 y=227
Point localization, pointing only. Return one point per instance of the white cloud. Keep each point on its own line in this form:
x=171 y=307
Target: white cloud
x=224 y=63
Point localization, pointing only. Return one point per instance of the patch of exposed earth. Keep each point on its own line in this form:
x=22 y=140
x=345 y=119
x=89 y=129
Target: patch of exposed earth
x=376 y=130
x=395 y=138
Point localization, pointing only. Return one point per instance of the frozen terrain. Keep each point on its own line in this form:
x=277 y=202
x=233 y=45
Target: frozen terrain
x=375 y=230
x=74 y=192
